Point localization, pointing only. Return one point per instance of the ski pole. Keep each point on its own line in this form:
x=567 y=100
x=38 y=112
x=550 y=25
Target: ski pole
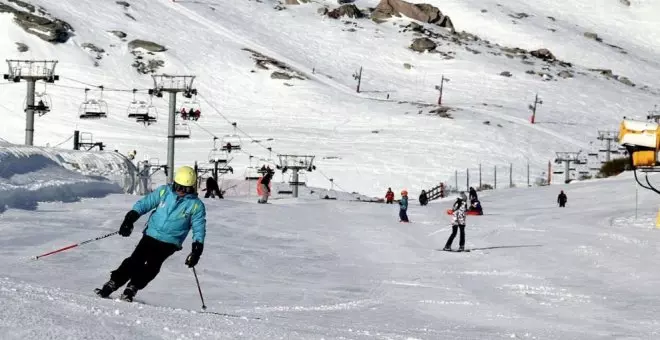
x=199 y=288
x=74 y=245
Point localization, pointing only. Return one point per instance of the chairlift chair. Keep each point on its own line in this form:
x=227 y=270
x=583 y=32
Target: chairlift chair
x=42 y=104
x=190 y=109
x=93 y=108
x=181 y=130
x=218 y=156
x=252 y=173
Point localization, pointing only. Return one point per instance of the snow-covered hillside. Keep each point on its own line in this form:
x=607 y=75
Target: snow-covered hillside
x=384 y=136
x=320 y=269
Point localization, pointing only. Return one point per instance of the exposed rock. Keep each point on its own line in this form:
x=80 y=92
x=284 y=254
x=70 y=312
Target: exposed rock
x=530 y=72
x=147 y=45
x=625 y=81
x=605 y=72
x=349 y=10
x=146 y=66
x=421 y=12
x=594 y=36
x=543 y=54
x=38 y=22
x=280 y=75
x=625 y=2
x=423 y=44
x=130 y=16
x=295 y=2
x=119 y=34
x=92 y=47
x=442 y=111
x=520 y=15
x=484 y=10
x=415 y=27
x=552 y=18
x=123 y=3
x=322 y=10
x=565 y=74
x=407 y=66
x=22 y=47
x=487 y=122
x=263 y=62
x=506 y=74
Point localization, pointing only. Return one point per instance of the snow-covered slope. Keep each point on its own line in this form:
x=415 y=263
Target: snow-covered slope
x=365 y=142
x=315 y=269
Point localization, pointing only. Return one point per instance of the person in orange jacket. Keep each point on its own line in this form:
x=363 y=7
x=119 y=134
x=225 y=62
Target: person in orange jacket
x=389 y=196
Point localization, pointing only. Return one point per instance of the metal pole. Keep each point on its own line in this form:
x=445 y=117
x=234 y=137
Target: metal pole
x=456 y=179
x=636 y=189
x=528 y=175
x=76 y=140
x=480 y=175
x=495 y=186
x=29 y=113
x=359 y=80
x=510 y=175
x=607 y=153
x=170 y=138
x=467 y=184
x=567 y=176
x=295 y=180
x=442 y=82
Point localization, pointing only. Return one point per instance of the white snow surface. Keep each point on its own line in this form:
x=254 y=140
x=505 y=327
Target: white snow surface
x=323 y=115
x=319 y=269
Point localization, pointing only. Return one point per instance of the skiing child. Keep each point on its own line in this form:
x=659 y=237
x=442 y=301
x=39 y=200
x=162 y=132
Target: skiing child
x=561 y=199
x=403 y=207
x=177 y=210
x=212 y=189
x=389 y=196
x=458 y=223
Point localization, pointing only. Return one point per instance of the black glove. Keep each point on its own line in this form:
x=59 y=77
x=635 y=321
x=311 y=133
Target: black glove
x=195 y=254
x=127 y=226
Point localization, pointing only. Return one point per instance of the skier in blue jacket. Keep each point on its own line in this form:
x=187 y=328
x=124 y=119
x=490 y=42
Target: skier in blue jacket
x=177 y=210
x=403 y=207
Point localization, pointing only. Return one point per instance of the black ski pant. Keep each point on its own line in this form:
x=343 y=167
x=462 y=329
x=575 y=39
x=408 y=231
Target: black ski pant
x=403 y=215
x=454 y=229
x=144 y=264
x=562 y=204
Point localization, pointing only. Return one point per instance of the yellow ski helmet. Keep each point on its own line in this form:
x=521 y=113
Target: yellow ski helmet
x=185 y=176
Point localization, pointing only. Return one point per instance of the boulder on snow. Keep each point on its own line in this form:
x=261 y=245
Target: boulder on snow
x=423 y=44
x=119 y=34
x=506 y=74
x=348 y=10
x=38 y=22
x=147 y=45
x=421 y=12
x=594 y=36
x=21 y=47
x=280 y=75
x=295 y=2
x=543 y=54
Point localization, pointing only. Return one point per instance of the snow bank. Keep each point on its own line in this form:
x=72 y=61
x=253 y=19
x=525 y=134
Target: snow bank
x=29 y=175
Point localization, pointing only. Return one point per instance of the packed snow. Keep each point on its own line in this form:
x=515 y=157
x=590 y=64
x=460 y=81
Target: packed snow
x=338 y=268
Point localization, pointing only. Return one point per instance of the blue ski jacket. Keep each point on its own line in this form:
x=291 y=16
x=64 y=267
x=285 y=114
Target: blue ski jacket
x=174 y=216
x=403 y=203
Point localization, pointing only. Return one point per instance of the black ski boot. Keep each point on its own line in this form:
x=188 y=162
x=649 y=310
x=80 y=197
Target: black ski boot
x=447 y=248
x=461 y=248
x=107 y=289
x=129 y=293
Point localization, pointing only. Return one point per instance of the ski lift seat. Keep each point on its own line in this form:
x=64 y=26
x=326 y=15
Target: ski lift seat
x=93 y=109
x=181 y=130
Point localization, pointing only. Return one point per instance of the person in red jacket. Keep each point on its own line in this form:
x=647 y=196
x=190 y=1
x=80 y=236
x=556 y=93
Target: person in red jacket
x=389 y=196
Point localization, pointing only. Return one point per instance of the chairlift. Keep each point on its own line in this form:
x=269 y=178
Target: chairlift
x=216 y=155
x=252 y=173
x=42 y=103
x=190 y=109
x=232 y=141
x=142 y=111
x=93 y=108
x=181 y=130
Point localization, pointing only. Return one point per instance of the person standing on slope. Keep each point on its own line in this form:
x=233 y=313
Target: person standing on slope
x=561 y=199
x=403 y=207
x=458 y=223
x=177 y=210
x=389 y=196
x=423 y=198
x=265 y=185
x=473 y=194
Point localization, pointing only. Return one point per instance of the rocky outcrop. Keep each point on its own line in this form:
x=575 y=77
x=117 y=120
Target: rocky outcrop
x=421 y=12
x=348 y=10
x=119 y=34
x=147 y=45
x=37 y=21
x=543 y=54
x=22 y=47
x=295 y=2
x=423 y=45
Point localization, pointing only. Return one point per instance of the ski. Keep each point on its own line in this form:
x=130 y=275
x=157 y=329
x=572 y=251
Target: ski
x=231 y=315
x=455 y=251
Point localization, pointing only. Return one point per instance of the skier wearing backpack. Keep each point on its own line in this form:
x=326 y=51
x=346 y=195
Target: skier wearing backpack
x=176 y=210
x=458 y=223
